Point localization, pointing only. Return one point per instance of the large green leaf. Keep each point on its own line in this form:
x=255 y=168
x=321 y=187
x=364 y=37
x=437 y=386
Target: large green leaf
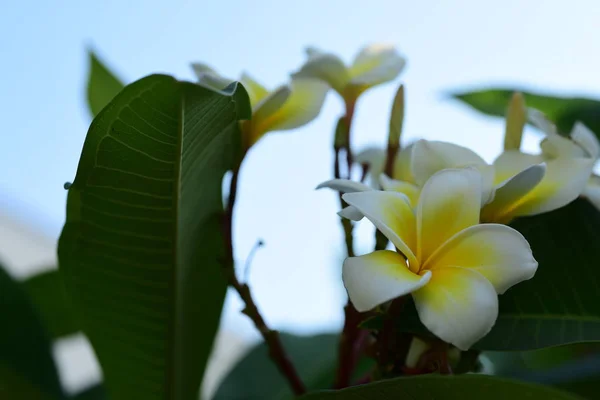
x=47 y=293
x=436 y=387
x=27 y=369
x=142 y=249
x=256 y=377
x=559 y=305
x=102 y=85
x=564 y=111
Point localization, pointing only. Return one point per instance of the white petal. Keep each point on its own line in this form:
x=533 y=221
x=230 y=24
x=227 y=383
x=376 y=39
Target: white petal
x=458 y=305
x=374 y=157
x=509 y=193
x=429 y=157
x=450 y=202
x=512 y=162
x=411 y=191
x=256 y=91
x=345 y=186
x=499 y=253
x=564 y=181
x=208 y=77
x=539 y=120
x=391 y=213
x=585 y=138
x=554 y=145
x=376 y=64
x=378 y=277
x=326 y=67
x=592 y=191
x=351 y=213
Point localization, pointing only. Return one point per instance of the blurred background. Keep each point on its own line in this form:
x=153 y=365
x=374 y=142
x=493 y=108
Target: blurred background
x=450 y=45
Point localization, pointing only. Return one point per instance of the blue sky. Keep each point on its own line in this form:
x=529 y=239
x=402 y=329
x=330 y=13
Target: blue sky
x=548 y=45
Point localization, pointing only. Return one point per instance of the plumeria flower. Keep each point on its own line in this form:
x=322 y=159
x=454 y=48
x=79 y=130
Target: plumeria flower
x=373 y=65
x=453 y=266
x=287 y=107
x=580 y=144
x=569 y=163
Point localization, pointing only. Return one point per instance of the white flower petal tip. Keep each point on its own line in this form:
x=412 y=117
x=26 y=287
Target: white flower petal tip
x=351 y=213
x=378 y=277
x=344 y=186
x=585 y=138
x=458 y=305
x=376 y=64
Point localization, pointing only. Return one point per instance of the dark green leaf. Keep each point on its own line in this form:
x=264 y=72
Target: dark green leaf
x=142 y=249
x=27 y=369
x=47 y=293
x=560 y=304
x=256 y=377
x=102 y=85
x=564 y=111
x=434 y=387
x=96 y=392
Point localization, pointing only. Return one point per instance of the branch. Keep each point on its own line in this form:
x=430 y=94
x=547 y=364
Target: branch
x=350 y=333
x=271 y=337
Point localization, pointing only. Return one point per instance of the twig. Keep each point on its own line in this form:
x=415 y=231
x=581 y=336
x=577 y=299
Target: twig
x=271 y=337
x=350 y=333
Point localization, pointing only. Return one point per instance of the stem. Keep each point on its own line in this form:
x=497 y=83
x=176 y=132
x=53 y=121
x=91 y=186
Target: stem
x=350 y=106
x=392 y=150
x=271 y=337
x=387 y=337
x=347 y=356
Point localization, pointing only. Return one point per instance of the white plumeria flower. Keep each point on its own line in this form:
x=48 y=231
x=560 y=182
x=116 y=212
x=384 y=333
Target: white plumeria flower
x=569 y=163
x=374 y=65
x=581 y=143
x=287 y=107
x=453 y=267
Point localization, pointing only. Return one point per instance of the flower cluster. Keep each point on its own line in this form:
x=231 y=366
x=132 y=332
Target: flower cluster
x=445 y=209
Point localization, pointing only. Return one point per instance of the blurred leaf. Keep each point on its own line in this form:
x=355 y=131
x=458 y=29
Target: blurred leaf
x=559 y=305
x=27 y=369
x=96 y=392
x=102 y=85
x=434 y=387
x=564 y=111
x=256 y=377
x=47 y=293
x=142 y=249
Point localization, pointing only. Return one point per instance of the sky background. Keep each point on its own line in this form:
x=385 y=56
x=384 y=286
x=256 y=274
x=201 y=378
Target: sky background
x=550 y=46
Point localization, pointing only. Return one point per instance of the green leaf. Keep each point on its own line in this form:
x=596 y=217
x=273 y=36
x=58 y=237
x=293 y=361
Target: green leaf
x=47 y=293
x=256 y=377
x=27 y=369
x=559 y=305
x=564 y=111
x=142 y=249
x=460 y=387
x=102 y=85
